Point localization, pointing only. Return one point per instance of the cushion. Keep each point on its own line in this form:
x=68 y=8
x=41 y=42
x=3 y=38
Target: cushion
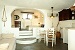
x=4 y=46
x=7 y=35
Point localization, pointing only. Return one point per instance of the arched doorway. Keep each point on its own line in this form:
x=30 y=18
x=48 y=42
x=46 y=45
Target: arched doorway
x=24 y=18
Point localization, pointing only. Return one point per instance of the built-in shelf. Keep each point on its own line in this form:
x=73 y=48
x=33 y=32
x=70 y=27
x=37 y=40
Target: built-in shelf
x=18 y=24
x=66 y=14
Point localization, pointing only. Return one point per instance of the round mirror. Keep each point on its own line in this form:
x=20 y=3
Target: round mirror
x=16 y=17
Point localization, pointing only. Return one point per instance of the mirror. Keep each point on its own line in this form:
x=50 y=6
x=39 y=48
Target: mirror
x=16 y=17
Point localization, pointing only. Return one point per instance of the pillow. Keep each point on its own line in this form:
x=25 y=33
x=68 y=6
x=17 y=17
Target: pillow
x=7 y=35
x=4 y=46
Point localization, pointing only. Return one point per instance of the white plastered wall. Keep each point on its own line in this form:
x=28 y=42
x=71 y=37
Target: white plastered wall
x=7 y=28
x=10 y=9
x=1 y=9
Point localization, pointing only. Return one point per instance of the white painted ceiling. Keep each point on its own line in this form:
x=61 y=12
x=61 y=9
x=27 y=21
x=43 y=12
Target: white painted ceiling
x=40 y=4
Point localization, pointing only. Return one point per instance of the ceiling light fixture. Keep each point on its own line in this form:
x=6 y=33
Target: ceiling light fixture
x=52 y=16
x=4 y=18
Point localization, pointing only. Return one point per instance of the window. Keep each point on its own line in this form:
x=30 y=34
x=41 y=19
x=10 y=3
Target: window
x=27 y=16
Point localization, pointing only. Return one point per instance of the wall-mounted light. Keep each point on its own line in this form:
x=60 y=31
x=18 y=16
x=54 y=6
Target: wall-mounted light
x=4 y=18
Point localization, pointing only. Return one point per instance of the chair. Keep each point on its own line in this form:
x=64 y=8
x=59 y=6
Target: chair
x=42 y=34
x=50 y=36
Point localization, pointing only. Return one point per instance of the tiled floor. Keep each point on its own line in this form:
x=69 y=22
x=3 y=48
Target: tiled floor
x=42 y=46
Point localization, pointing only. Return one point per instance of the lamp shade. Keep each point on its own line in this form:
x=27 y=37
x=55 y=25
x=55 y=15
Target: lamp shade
x=73 y=7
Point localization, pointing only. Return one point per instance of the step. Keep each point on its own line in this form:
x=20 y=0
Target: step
x=26 y=40
x=25 y=33
x=25 y=36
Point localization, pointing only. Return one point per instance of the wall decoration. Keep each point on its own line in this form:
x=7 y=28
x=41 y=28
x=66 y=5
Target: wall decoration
x=36 y=16
x=4 y=18
x=16 y=17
